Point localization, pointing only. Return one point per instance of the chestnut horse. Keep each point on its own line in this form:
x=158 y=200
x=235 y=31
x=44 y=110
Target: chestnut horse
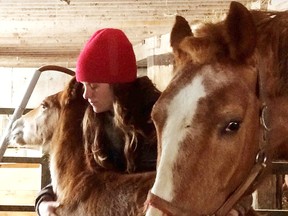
x=223 y=113
x=79 y=190
x=37 y=126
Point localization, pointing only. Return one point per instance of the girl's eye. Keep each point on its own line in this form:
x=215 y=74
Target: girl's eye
x=93 y=85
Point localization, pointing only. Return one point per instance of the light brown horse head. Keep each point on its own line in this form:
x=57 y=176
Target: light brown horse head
x=37 y=126
x=207 y=119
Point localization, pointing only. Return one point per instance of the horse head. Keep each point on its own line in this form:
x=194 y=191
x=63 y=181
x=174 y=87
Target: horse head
x=38 y=126
x=207 y=119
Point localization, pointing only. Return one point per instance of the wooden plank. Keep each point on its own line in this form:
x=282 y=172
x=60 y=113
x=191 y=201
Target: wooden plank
x=18 y=214
x=19 y=165
x=24 y=208
x=280 y=167
x=22 y=160
x=19 y=186
x=9 y=111
x=269 y=212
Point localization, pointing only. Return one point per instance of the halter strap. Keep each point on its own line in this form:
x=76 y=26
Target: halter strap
x=170 y=210
x=164 y=206
x=256 y=171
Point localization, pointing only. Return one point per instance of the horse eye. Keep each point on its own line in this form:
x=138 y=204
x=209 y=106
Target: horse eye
x=232 y=126
x=44 y=106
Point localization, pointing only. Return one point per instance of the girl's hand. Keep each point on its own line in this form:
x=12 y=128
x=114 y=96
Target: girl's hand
x=48 y=208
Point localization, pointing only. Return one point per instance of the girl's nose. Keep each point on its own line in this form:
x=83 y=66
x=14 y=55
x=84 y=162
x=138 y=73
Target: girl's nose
x=87 y=92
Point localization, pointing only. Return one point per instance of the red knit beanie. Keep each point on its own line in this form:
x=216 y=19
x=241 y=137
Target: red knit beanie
x=108 y=57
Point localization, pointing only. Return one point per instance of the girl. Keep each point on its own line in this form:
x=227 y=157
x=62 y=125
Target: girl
x=117 y=129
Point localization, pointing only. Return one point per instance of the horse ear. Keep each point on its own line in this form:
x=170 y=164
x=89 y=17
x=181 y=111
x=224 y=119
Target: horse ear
x=241 y=32
x=74 y=91
x=180 y=30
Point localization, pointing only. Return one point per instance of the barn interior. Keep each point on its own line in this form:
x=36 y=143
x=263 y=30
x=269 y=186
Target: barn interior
x=36 y=33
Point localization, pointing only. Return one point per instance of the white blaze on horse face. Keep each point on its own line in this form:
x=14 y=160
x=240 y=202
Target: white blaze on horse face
x=180 y=112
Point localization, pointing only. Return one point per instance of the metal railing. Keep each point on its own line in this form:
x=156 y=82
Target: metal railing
x=279 y=168
x=43 y=161
x=20 y=109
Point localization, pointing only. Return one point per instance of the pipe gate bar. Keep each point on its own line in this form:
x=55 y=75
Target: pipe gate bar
x=20 y=109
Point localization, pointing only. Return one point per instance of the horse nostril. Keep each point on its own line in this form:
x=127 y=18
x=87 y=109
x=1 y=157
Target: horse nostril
x=16 y=135
x=17 y=138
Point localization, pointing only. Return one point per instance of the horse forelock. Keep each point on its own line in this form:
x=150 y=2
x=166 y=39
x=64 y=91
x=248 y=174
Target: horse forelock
x=208 y=44
x=198 y=49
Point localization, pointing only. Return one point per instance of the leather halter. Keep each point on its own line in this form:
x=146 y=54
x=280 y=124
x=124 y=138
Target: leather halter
x=255 y=174
x=164 y=206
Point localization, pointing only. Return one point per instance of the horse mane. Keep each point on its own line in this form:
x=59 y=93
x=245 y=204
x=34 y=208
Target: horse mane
x=210 y=43
x=68 y=137
x=215 y=42
x=80 y=190
x=131 y=120
x=272 y=32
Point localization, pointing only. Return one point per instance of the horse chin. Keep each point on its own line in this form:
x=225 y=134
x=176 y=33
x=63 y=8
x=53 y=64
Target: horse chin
x=19 y=138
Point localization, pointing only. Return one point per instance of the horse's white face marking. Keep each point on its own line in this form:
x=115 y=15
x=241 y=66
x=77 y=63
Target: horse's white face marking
x=180 y=111
x=180 y=114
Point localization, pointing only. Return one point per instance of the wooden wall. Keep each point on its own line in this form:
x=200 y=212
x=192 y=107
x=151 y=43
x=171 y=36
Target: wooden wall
x=157 y=53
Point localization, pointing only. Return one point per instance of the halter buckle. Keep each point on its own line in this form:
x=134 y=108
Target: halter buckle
x=261 y=158
x=263 y=120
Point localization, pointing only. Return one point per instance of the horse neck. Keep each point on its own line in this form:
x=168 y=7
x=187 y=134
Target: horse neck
x=278 y=133
x=272 y=56
x=273 y=68
x=67 y=152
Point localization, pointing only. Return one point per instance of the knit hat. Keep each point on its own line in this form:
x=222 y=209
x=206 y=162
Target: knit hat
x=108 y=57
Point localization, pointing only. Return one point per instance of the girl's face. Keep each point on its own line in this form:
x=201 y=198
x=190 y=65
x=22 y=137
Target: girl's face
x=99 y=95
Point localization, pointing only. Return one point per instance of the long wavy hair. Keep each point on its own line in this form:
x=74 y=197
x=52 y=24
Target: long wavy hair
x=131 y=122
